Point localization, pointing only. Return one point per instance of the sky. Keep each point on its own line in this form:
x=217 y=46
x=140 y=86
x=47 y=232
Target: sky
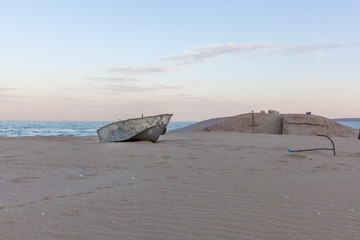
x=104 y=60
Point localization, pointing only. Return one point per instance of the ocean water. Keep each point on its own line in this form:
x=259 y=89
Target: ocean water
x=351 y=124
x=75 y=128
x=61 y=128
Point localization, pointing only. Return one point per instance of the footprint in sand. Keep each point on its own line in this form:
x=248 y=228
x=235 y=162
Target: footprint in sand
x=25 y=179
x=104 y=187
x=82 y=193
x=172 y=177
x=325 y=167
x=11 y=157
x=157 y=164
x=296 y=156
x=353 y=155
x=146 y=179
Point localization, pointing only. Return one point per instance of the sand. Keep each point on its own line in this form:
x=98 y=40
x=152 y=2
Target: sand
x=188 y=185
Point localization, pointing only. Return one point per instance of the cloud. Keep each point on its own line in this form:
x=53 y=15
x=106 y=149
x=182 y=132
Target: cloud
x=209 y=52
x=167 y=87
x=135 y=88
x=112 y=79
x=5 y=89
x=127 y=88
x=308 y=48
x=7 y=94
x=183 y=97
x=141 y=70
x=63 y=73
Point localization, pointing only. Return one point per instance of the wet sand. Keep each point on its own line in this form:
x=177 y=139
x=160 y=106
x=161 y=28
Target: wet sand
x=188 y=185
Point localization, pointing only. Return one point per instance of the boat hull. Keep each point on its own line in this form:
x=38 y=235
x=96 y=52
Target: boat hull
x=138 y=129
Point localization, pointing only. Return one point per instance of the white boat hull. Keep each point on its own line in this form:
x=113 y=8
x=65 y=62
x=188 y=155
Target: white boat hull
x=138 y=129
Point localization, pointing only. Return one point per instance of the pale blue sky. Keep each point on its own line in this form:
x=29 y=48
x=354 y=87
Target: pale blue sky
x=105 y=60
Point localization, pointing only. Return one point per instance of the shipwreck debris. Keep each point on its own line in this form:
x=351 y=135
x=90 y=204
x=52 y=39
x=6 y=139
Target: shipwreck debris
x=315 y=149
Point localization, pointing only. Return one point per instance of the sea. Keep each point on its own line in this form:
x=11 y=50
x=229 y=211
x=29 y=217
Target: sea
x=88 y=128
x=61 y=128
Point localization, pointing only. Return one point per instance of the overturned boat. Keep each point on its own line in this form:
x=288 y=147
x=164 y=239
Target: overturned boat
x=137 y=129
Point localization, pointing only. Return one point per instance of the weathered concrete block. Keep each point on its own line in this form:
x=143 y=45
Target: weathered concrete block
x=273 y=112
x=310 y=125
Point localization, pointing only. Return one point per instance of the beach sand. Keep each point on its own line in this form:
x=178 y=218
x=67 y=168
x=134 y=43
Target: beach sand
x=188 y=185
